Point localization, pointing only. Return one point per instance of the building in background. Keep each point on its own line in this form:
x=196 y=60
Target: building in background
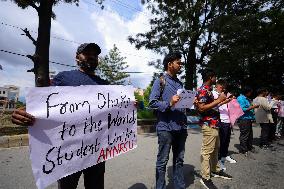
x=9 y=96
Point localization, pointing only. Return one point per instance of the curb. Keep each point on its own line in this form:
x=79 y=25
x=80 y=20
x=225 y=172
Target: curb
x=14 y=141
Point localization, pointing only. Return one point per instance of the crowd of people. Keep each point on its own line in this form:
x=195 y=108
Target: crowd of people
x=212 y=104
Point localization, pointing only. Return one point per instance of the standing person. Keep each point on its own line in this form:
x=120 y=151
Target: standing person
x=280 y=120
x=245 y=121
x=171 y=121
x=210 y=132
x=263 y=116
x=274 y=101
x=87 y=60
x=225 y=125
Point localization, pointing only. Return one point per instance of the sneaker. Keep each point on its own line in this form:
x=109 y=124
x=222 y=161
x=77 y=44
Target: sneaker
x=230 y=160
x=222 y=164
x=221 y=174
x=208 y=184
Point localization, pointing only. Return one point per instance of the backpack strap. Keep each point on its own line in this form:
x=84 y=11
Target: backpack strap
x=162 y=86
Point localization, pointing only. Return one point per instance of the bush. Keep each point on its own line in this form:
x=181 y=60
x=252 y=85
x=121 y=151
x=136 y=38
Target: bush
x=145 y=114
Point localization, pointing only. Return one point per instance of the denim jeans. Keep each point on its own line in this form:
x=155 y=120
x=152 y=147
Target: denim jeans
x=166 y=140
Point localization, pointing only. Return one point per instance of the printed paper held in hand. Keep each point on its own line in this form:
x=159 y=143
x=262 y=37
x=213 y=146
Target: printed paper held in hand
x=186 y=98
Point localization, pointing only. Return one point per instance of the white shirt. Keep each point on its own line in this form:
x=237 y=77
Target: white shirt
x=223 y=109
x=263 y=112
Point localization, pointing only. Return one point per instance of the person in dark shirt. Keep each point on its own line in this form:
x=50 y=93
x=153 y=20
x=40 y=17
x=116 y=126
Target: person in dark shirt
x=87 y=61
x=171 y=122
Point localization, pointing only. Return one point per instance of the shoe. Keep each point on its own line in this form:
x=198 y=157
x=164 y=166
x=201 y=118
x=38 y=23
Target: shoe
x=222 y=164
x=208 y=184
x=265 y=147
x=242 y=153
x=221 y=174
x=253 y=150
x=249 y=155
x=230 y=160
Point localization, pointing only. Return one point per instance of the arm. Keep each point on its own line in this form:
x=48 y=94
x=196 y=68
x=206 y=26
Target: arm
x=225 y=101
x=246 y=106
x=266 y=105
x=159 y=104
x=202 y=106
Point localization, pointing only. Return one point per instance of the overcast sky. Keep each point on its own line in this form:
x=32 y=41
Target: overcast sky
x=86 y=23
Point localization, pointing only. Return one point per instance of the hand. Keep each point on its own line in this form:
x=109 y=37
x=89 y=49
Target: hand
x=227 y=100
x=222 y=97
x=255 y=106
x=174 y=100
x=136 y=103
x=195 y=102
x=21 y=117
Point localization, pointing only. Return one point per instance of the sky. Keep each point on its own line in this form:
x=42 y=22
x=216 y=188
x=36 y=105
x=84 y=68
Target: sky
x=74 y=25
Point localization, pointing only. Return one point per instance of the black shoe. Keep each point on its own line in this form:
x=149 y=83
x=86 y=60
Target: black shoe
x=221 y=174
x=264 y=147
x=253 y=150
x=208 y=184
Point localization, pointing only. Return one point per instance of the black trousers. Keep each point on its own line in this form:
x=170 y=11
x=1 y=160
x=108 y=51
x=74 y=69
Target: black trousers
x=93 y=178
x=265 y=132
x=246 y=135
x=225 y=136
x=272 y=132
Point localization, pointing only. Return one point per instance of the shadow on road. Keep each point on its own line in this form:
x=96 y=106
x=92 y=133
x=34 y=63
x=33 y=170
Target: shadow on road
x=138 y=186
x=255 y=142
x=189 y=175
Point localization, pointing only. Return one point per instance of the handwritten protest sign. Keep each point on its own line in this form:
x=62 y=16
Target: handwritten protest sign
x=77 y=127
x=186 y=98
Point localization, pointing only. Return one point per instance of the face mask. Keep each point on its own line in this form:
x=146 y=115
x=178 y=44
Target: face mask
x=88 y=65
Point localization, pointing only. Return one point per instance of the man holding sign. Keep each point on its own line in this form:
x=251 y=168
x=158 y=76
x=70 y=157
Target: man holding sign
x=87 y=60
x=171 y=121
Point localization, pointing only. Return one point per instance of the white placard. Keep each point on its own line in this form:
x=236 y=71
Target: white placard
x=77 y=127
x=186 y=98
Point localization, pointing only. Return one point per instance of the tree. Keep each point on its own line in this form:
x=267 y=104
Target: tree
x=250 y=47
x=111 y=67
x=186 y=27
x=41 y=56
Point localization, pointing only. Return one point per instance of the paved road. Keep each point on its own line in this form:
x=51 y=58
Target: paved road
x=136 y=169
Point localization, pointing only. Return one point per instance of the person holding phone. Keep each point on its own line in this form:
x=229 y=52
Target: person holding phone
x=224 y=124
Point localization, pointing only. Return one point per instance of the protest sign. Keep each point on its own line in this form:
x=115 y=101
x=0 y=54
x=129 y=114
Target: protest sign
x=235 y=111
x=186 y=98
x=77 y=127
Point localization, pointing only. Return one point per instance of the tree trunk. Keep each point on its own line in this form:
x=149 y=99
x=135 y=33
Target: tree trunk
x=43 y=40
x=190 y=68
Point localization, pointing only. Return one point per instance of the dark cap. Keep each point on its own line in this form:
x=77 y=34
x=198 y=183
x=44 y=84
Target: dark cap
x=86 y=46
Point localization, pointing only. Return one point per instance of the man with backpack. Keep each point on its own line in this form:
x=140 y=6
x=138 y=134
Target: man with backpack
x=171 y=121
